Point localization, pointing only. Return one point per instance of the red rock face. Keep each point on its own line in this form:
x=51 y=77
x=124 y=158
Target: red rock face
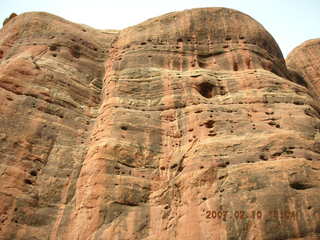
x=200 y=132
x=304 y=60
x=50 y=82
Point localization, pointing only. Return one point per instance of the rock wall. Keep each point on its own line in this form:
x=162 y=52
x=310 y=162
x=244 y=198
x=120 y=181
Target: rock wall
x=304 y=60
x=51 y=74
x=186 y=126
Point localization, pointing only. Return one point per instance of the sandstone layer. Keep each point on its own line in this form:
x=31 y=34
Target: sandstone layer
x=186 y=126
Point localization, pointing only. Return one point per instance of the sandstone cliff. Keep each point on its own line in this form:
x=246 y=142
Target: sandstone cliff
x=186 y=126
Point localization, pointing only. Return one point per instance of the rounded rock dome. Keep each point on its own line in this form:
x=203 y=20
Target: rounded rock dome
x=216 y=38
x=305 y=60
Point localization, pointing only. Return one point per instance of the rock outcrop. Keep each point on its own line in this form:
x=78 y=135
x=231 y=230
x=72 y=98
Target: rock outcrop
x=304 y=60
x=51 y=74
x=186 y=126
x=12 y=15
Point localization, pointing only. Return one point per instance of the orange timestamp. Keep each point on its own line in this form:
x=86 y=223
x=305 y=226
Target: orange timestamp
x=251 y=214
x=223 y=215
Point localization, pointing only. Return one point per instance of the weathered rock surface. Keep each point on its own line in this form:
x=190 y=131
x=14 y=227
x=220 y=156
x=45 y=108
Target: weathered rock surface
x=12 y=15
x=50 y=82
x=149 y=132
x=305 y=61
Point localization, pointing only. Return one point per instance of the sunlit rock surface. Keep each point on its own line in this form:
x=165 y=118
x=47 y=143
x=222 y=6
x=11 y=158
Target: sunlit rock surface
x=186 y=126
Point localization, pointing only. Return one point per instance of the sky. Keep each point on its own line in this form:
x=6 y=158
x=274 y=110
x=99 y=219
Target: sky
x=290 y=22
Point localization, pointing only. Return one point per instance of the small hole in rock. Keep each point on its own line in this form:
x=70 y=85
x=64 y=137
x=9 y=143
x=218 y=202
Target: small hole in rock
x=54 y=55
x=53 y=47
x=209 y=124
x=221 y=177
x=298 y=103
x=174 y=166
x=33 y=173
x=204 y=198
x=277 y=154
x=27 y=181
x=124 y=128
x=263 y=157
x=205 y=89
x=235 y=66
x=75 y=51
x=300 y=186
